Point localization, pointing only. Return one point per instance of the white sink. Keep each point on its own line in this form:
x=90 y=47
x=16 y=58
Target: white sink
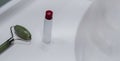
x=98 y=36
x=30 y=13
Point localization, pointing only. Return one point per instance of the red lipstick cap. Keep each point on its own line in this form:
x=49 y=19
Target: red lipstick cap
x=48 y=15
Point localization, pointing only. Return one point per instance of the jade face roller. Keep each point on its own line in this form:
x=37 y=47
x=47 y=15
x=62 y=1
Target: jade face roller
x=21 y=32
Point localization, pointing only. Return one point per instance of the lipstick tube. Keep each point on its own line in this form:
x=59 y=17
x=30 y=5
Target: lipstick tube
x=47 y=29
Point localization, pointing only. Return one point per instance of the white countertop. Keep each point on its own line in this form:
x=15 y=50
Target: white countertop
x=30 y=13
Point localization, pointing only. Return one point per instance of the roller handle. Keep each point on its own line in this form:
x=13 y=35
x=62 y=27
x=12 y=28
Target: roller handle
x=6 y=45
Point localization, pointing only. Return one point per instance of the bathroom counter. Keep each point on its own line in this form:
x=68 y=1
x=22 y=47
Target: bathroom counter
x=30 y=13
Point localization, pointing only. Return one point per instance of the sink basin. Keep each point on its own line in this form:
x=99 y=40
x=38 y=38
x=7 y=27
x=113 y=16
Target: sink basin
x=30 y=13
x=98 y=33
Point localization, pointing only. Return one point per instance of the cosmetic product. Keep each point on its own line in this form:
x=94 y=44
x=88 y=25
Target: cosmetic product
x=47 y=26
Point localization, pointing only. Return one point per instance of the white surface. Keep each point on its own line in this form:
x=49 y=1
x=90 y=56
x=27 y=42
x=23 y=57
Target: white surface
x=30 y=13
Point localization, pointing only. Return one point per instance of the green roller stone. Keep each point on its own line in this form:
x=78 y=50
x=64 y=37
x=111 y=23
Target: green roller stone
x=22 y=32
